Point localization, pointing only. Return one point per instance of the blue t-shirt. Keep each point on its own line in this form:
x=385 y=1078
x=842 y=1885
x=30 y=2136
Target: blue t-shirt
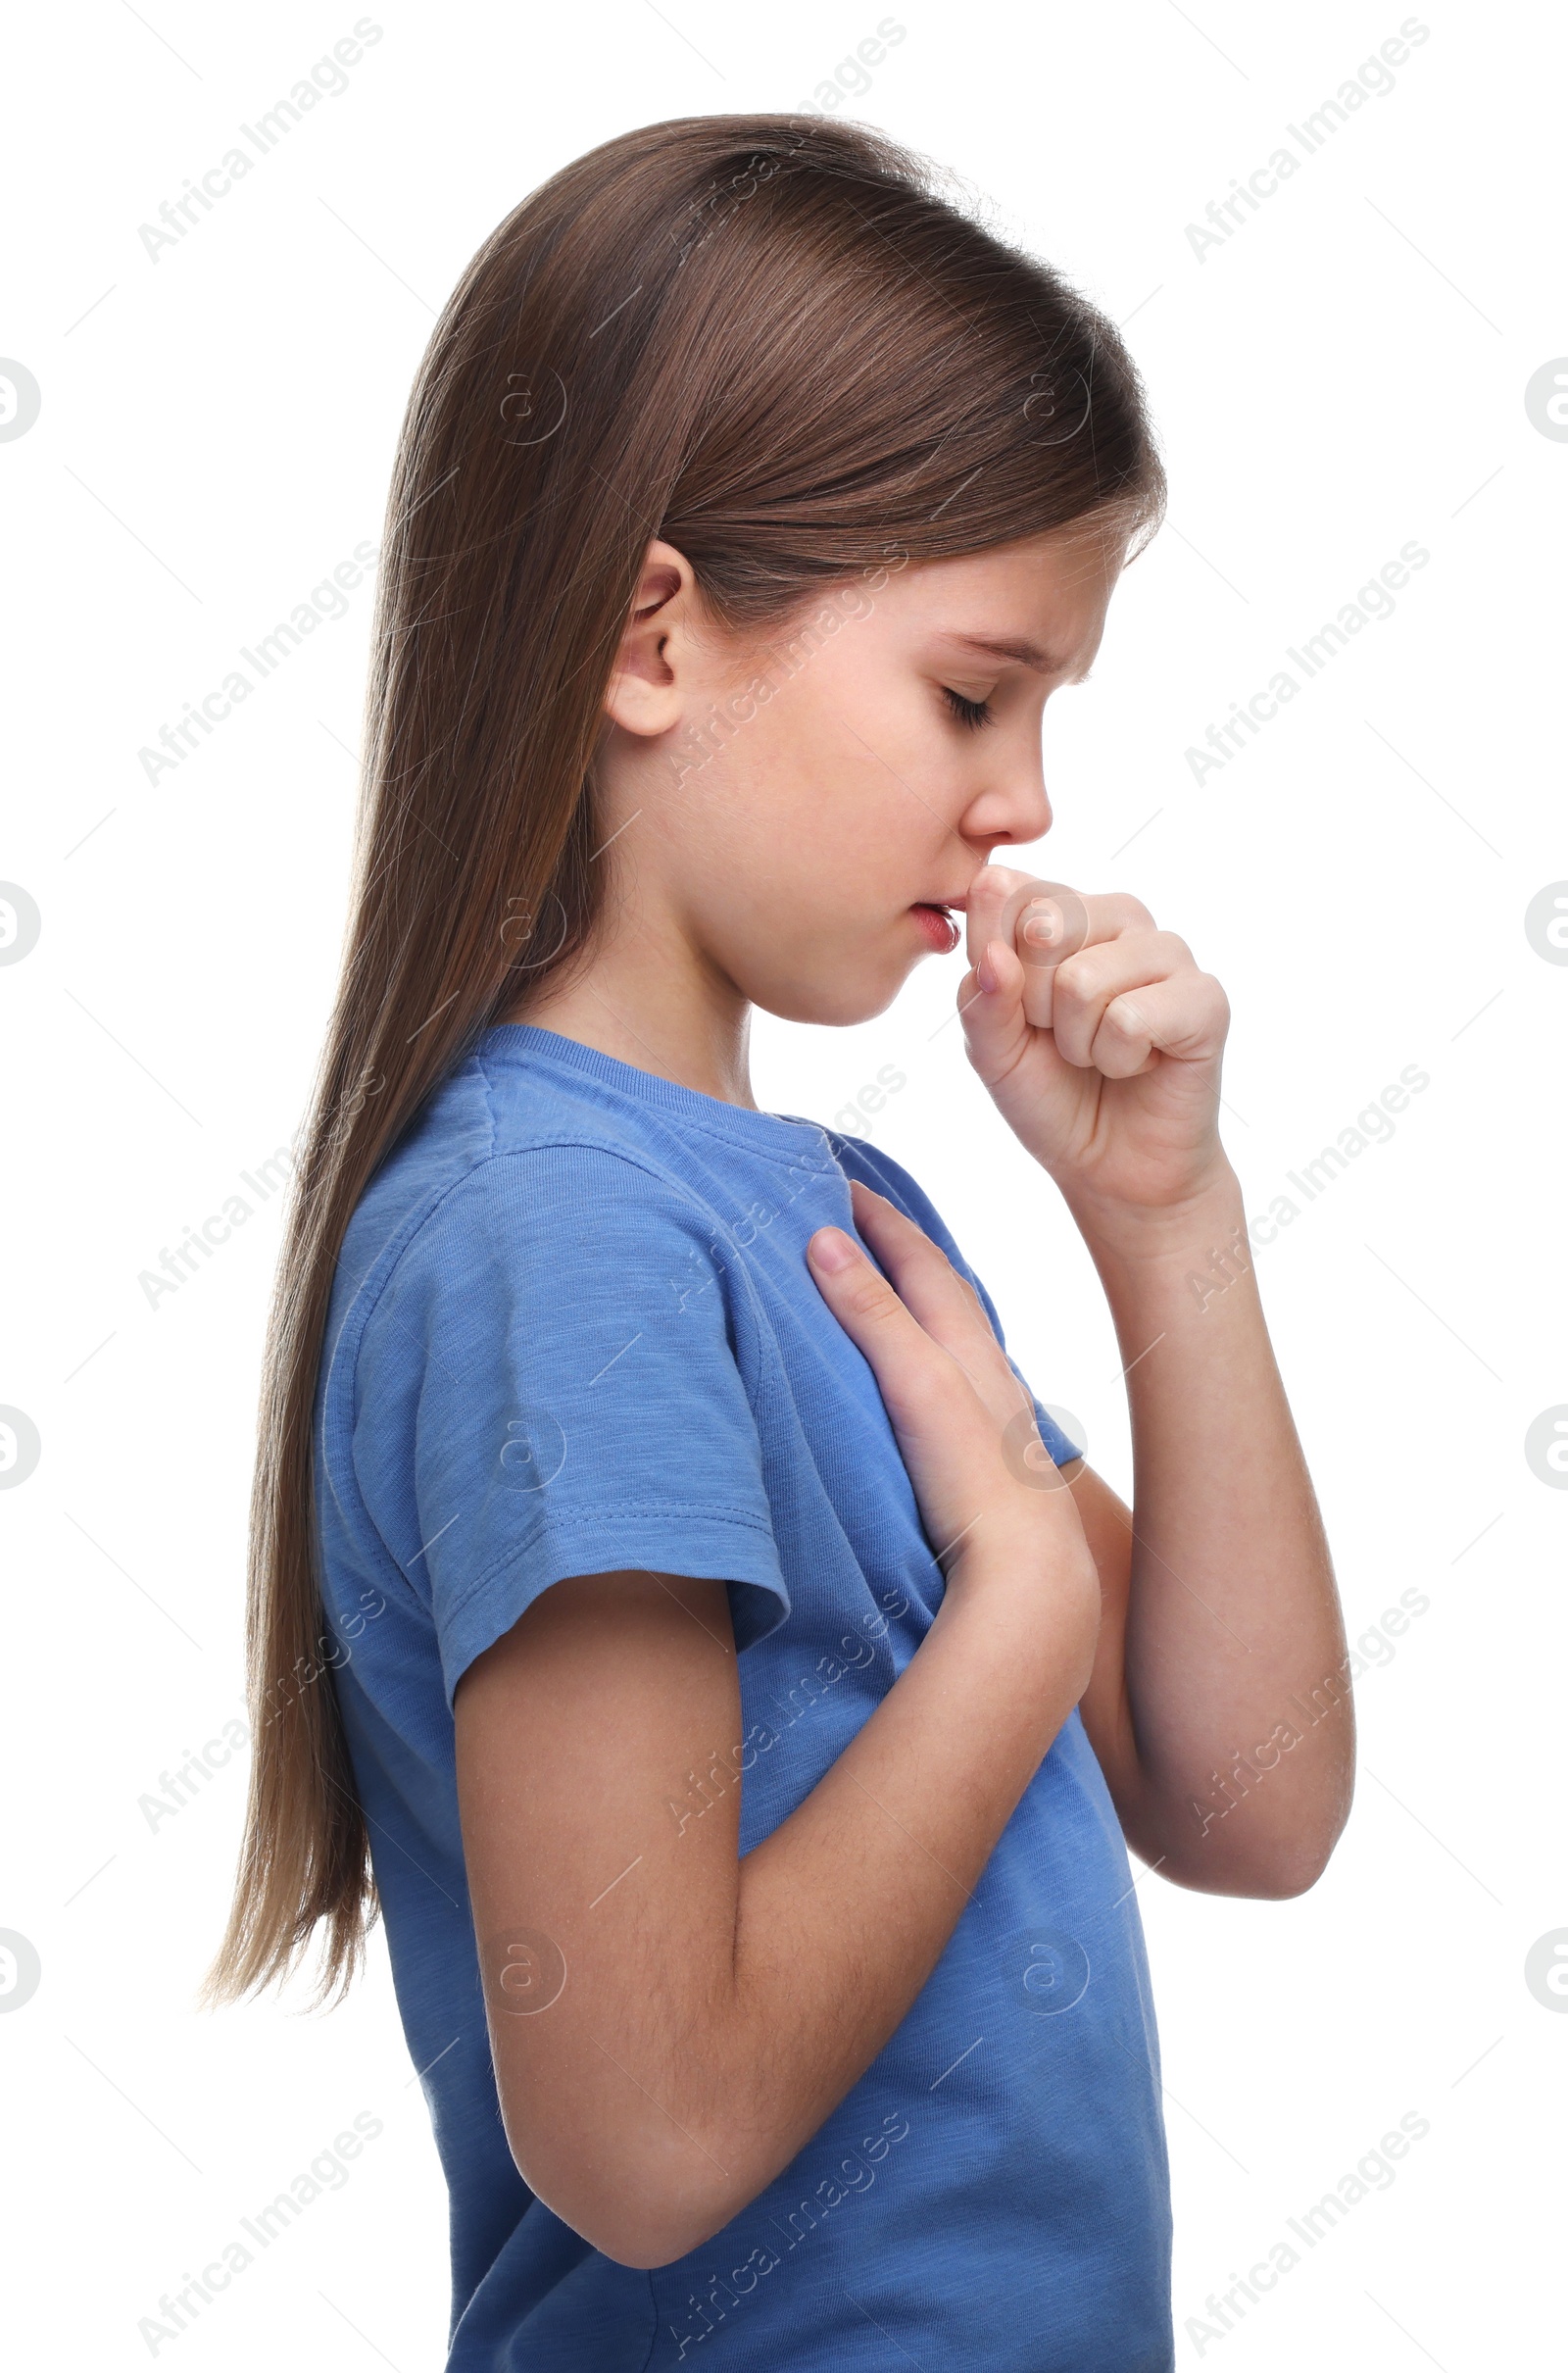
x=572 y=1331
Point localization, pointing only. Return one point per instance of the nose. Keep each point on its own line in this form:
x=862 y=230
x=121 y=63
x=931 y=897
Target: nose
x=1039 y=816
x=1014 y=811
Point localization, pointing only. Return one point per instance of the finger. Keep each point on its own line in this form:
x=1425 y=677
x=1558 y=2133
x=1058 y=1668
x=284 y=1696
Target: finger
x=989 y=893
x=1110 y=914
x=874 y=1315
x=943 y=1302
x=1182 y=1020
x=996 y=1026
x=1064 y=923
x=1083 y=987
x=949 y=1434
x=969 y=1462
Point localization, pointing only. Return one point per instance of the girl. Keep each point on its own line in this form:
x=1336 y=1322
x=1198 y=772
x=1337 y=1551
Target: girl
x=671 y=1609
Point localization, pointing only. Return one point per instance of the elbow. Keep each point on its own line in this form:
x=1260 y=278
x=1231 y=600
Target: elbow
x=642 y=2235
x=1297 y=1861
x=1290 y=1864
x=1293 y=1871
x=645 y=2252
x=1268 y=1869
x=1272 y=1877
x=1269 y=1847
x=625 y=2195
x=1286 y=1867
x=645 y=2233
x=626 y=2221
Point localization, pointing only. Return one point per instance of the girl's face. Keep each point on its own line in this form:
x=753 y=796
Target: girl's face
x=792 y=811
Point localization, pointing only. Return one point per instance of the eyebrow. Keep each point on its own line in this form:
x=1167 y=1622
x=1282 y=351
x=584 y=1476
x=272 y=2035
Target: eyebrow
x=1007 y=647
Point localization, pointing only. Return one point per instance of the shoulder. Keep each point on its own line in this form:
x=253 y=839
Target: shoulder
x=498 y=1215
x=885 y=1176
x=877 y=1169
x=500 y=1167
x=544 y=1222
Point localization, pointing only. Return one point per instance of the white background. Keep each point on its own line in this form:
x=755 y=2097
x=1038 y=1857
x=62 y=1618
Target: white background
x=1345 y=374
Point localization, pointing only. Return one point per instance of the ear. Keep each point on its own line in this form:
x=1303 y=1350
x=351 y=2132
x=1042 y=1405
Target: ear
x=646 y=687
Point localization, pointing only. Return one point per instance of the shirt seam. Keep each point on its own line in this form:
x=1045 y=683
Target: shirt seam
x=686 y=1121
x=365 y=1317
x=418 y=1226
x=514 y=1153
x=732 y=1520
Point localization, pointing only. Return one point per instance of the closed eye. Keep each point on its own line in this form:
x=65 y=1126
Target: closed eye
x=969 y=713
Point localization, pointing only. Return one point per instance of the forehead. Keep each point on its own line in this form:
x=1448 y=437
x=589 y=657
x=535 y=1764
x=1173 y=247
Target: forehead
x=1042 y=598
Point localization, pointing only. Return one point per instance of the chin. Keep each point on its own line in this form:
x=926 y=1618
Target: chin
x=831 y=1005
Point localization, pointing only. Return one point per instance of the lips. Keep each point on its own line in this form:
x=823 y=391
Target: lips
x=939 y=924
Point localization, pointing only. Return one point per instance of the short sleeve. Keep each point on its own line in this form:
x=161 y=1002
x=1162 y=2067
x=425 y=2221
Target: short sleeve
x=878 y=1170
x=549 y=1385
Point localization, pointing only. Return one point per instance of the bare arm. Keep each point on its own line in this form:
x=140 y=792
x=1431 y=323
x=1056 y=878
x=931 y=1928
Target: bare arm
x=1219 y=1707
x=713 y=2011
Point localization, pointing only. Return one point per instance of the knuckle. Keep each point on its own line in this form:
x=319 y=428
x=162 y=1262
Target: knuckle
x=938 y=1381
x=869 y=1296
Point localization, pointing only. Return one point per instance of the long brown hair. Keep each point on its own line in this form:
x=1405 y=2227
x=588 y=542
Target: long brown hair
x=775 y=343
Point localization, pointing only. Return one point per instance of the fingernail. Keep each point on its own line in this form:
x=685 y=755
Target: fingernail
x=985 y=970
x=830 y=1249
x=1044 y=927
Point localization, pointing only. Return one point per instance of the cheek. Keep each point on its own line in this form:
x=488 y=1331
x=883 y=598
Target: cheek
x=796 y=786
x=849 y=695
x=833 y=805
x=875 y=772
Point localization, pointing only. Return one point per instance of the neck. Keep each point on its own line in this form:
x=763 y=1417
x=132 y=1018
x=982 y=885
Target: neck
x=677 y=1018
